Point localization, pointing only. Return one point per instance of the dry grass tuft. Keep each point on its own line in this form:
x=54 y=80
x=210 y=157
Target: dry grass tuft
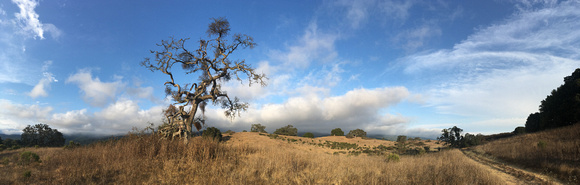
x=151 y=160
x=555 y=152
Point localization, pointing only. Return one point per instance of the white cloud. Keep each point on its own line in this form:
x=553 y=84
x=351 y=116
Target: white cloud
x=357 y=12
x=503 y=71
x=313 y=46
x=94 y=91
x=416 y=37
x=28 y=19
x=397 y=9
x=117 y=118
x=14 y=117
x=316 y=112
x=44 y=83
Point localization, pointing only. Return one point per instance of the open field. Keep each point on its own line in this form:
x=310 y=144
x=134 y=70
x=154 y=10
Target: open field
x=553 y=152
x=245 y=158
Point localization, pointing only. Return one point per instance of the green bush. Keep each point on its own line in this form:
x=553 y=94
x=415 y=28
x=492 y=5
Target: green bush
x=71 y=145
x=336 y=132
x=27 y=174
x=392 y=157
x=212 y=133
x=308 y=135
x=28 y=157
x=287 y=130
x=542 y=144
x=230 y=132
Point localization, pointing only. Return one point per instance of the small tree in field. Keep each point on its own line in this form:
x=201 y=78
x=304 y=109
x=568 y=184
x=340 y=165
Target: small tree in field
x=258 y=128
x=211 y=66
x=452 y=136
x=308 y=135
x=287 y=130
x=336 y=132
x=357 y=133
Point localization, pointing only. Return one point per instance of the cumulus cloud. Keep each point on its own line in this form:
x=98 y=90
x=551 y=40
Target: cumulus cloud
x=14 y=117
x=358 y=108
x=95 y=92
x=504 y=70
x=117 y=118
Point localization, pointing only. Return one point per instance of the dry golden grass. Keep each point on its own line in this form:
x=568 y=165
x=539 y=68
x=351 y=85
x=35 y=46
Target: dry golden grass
x=555 y=152
x=150 y=160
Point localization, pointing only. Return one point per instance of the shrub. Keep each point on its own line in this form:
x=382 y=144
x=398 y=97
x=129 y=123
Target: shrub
x=308 y=135
x=28 y=157
x=519 y=130
x=212 y=133
x=258 y=128
x=244 y=131
x=336 y=132
x=542 y=144
x=392 y=157
x=357 y=133
x=287 y=130
x=27 y=174
x=230 y=132
x=71 y=145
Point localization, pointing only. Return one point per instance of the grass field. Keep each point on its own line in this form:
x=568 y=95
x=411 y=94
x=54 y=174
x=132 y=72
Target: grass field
x=245 y=158
x=554 y=152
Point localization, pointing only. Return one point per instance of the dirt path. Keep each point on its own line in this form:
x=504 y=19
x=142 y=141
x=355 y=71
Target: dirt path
x=511 y=174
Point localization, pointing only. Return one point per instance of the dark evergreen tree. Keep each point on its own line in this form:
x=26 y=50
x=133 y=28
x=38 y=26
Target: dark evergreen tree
x=560 y=108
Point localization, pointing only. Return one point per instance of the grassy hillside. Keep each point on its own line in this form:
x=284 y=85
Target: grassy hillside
x=245 y=158
x=555 y=152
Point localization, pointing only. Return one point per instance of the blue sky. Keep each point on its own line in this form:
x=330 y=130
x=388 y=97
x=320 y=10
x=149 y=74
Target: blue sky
x=388 y=67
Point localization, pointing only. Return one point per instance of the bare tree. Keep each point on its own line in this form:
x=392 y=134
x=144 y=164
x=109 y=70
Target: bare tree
x=212 y=67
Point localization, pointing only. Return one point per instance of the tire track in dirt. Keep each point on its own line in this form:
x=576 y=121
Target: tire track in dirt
x=523 y=176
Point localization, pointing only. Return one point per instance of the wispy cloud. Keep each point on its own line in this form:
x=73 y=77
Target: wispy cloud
x=27 y=20
x=43 y=85
x=313 y=46
x=504 y=70
x=15 y=66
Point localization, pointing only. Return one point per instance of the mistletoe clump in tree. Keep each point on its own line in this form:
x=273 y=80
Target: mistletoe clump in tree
x=211 y=67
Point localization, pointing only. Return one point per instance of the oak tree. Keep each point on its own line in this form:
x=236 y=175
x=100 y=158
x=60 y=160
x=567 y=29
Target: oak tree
x=206 y=69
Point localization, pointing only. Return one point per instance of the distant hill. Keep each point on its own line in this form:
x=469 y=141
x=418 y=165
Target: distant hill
x=83 y=139
x=15 y=137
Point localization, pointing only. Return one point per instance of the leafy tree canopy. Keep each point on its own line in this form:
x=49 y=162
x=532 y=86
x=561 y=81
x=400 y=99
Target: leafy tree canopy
x=336 y=132
x=41 y=135
x=357 y=133
x=287 y=130
x=258 y=128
